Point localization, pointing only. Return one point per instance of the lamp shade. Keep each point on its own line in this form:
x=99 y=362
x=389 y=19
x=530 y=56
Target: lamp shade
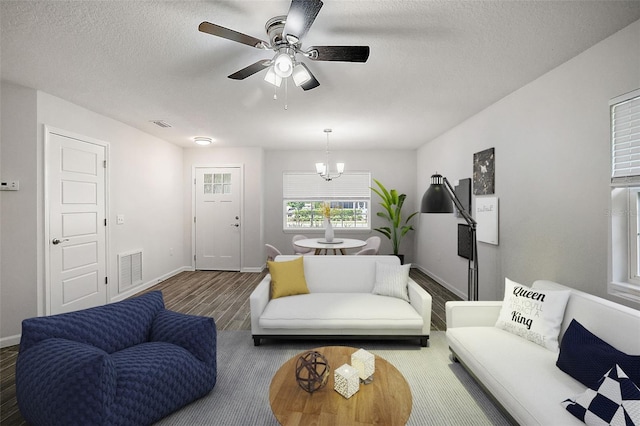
x=436 y=199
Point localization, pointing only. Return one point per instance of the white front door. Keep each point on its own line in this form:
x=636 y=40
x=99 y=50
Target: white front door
x=218 y=191
x=76 y=195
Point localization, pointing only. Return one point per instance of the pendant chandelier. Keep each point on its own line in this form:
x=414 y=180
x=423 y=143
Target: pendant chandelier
x=323 y=168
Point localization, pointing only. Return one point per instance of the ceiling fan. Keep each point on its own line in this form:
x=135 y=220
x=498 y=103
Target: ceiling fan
x=285 y=39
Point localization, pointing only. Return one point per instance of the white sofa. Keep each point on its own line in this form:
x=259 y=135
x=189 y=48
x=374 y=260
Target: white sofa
x=340 y=304
x=522 y=376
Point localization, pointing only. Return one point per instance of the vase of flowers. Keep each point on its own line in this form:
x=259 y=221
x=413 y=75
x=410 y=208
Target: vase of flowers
x=328 y=228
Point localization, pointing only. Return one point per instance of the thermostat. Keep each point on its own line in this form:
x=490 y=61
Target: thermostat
x=12 y=185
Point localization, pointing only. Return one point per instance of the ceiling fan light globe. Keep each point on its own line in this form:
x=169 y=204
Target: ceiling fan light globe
x=283 y=65
x=272 y=77
x=300 y=75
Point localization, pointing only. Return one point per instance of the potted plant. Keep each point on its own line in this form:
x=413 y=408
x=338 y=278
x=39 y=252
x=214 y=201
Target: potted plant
x=392 y=203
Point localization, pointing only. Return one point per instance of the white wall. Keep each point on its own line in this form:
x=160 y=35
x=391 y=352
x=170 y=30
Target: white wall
x=145 y=185
x=395 y=169
x=252 y=160
x=552 y=145
x=18 y=210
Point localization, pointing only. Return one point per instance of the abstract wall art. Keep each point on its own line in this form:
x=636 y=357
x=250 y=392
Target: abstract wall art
x=484 y=168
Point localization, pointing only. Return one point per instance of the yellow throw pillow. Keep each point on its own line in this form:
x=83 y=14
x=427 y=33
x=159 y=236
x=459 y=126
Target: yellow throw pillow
x=287 y=278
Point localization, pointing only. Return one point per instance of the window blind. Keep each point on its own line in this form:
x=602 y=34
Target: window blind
x=310 y=186
x=625 y=139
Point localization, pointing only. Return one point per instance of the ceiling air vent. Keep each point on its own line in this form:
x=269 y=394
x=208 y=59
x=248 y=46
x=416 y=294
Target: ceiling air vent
x=161 y=123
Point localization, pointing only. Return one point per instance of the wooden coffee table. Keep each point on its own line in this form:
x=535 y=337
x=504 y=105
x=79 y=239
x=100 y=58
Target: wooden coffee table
x=385 y=401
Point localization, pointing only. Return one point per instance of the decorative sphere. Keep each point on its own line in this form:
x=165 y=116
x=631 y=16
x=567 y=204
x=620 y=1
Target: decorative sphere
x=312 y=371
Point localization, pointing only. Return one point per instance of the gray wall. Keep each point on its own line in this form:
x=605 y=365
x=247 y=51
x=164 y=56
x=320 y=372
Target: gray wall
x=552 y=148
x=395 y=169
x=19 y=210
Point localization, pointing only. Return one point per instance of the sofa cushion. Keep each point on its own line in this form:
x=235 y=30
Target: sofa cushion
x=155 y=379
x=616 y=401
x=339 y=311
x=341 y=274
x=392 y=280
x=520 y=374
x=535 y=315
x=287 y=278
x=586 y=357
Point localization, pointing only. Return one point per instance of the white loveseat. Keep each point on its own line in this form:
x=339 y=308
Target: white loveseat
x=522 y=376
x=340 y=304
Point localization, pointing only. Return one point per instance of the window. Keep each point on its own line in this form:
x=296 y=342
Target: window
x=634 y=235
x=217 y=183
x=304 y=194
x=624 y=280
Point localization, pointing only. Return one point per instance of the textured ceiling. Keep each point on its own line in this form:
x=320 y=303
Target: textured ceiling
x=432 y=64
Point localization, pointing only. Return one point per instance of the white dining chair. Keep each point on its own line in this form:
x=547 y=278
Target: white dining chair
x=366 y=252
x=371 y=243
x=301 y=250
x=272 y=252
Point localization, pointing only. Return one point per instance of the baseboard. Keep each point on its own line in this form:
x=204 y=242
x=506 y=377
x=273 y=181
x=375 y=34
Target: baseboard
x=149 y=284
x=442 y=282
x=252 y=269
x=9 y=341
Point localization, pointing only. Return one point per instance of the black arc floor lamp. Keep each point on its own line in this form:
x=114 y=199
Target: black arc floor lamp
x=440 y=198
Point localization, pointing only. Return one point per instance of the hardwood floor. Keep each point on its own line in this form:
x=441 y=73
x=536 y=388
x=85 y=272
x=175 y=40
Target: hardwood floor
x=219 y=294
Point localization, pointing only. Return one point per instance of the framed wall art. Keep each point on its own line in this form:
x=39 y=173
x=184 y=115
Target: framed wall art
x=463 y=192
x=484 y=168
x=465 y=241
x=487 y=218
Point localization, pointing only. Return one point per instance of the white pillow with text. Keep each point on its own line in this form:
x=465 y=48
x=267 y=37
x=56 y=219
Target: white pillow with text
x=535 y=315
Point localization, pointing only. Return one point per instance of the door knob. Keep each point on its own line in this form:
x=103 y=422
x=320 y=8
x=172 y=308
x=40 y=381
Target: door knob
x=57 y=241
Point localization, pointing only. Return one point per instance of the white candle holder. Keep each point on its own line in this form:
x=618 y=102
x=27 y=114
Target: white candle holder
x=346 y=380
x=365 y=363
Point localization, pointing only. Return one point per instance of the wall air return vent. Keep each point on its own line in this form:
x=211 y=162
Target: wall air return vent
x=129 y=269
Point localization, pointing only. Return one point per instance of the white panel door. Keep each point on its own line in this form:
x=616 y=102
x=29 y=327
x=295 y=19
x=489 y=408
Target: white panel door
x=218 y=192
x=77 y=228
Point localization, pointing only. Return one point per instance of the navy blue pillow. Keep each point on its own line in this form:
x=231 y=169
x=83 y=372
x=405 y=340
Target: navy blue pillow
x=586 y=357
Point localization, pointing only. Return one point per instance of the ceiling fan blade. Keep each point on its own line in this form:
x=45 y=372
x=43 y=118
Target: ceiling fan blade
x=339 y=53
x=250 y=70
x=217 y=30
x=312 y=83
x=301 y=15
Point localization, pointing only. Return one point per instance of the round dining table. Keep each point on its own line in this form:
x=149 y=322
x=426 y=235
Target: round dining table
x=338 y=244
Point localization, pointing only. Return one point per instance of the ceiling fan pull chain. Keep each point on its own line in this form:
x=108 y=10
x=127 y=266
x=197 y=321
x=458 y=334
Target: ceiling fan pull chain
x=286 y=94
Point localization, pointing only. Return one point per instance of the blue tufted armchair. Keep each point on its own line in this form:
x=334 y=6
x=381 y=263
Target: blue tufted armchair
x=126 y=363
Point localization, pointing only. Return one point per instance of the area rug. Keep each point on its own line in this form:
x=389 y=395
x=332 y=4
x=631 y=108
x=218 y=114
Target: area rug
x=442 y=391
